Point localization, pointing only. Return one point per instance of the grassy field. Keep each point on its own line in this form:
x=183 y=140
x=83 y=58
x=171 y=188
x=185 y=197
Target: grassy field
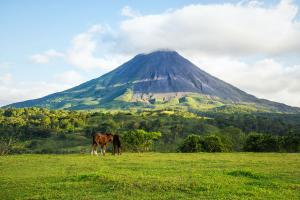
x=151 y=176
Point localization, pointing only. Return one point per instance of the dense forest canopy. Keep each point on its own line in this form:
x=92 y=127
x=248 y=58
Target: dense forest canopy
x=39 y=130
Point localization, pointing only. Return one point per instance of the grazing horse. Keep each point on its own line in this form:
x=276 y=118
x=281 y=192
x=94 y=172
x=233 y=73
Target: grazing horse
x=103 y=140
x=116 y=145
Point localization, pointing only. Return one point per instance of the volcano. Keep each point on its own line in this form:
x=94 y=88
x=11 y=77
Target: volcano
x=155 y=80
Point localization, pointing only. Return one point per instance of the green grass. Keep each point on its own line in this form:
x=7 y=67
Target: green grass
x=151 y=176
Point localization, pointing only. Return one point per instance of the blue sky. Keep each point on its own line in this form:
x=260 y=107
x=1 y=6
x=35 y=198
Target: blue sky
x=49 y=46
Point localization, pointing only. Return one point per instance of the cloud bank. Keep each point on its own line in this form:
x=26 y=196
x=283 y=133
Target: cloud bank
x=12 y=90
x=219 y=29
x=266 y=78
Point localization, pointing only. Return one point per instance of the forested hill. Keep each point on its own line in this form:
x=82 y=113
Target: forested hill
x=39 y=130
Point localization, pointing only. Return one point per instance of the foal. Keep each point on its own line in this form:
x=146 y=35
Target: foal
x=103 y=140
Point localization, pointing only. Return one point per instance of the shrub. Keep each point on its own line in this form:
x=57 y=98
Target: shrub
x=32 y=144
x=257 y=142
x=192 y=143
x=291 y=143
x=254 y=142
x=213 y=143
x=270 y=143
x=139 y=140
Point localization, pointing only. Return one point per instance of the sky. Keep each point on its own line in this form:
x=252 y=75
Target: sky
x=49 y=46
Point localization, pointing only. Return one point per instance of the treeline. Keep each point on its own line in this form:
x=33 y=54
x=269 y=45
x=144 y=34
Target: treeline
x=33 y=129
x=275 y=124
x=253 y=142
x=19 y=128
x=29 y=123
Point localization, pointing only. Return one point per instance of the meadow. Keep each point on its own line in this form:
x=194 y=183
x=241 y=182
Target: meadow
x=151 y=176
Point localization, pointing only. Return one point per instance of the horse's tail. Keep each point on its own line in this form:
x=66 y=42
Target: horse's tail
x=116 y=140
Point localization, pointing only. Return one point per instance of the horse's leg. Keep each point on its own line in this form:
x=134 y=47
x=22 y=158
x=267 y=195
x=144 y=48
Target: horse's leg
x=119 y=150
x=104 y=149
x=114 y=150
x=96 y=149
x=101 y=149
x=92 y=152
x=93 y=149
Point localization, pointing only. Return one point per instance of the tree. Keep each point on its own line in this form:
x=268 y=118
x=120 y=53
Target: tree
x=213 y=143
x=233 y=138
x=176 y=130
x=6 y=144
x=291 y=143
x=270 y=143
x=192 y=143
x=257 y=142
x=139 y=140
x=254 y=142
x=109 y=126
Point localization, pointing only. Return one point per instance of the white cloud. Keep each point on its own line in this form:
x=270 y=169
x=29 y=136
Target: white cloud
x=45 y=57
x=231 y=29
x=265 y=78
x=69 y=77
x=127 y=11
x=98 y=39
x=89 y=50
x=242 y=29
x=25 y=91
x=6 y=79
x=12 y=91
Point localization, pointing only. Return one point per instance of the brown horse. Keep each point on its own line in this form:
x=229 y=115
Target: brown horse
x=102 y=139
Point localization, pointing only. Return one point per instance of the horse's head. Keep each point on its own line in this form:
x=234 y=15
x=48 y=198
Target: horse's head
x=110 y=137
